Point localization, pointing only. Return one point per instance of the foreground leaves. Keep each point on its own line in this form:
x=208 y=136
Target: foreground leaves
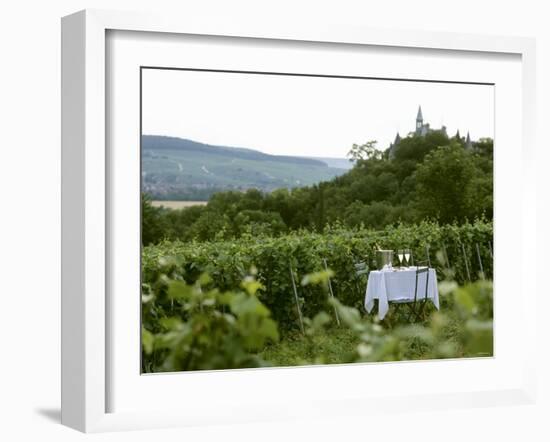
x=207 y=329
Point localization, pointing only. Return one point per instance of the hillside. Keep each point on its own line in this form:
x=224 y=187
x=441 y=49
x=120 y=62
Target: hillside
x=447 y=183
x=175 y=168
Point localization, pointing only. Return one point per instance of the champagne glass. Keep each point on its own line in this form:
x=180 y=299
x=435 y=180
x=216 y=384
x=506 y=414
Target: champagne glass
x=407 y=255
x=400 y=256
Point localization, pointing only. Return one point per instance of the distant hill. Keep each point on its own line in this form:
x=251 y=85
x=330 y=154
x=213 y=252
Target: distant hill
x=181 y=169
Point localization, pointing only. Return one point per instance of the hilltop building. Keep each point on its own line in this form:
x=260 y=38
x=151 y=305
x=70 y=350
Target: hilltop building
x=469 y=145
x=421 y=130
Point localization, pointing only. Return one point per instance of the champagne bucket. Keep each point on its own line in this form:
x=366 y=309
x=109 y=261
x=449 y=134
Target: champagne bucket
x=383 y=258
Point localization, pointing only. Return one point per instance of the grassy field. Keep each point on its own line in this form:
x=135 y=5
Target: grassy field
x=335 y=346
x=178 y=204
x=338 y=344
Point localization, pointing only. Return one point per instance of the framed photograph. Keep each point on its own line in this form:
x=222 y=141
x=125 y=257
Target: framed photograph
x=273 y=222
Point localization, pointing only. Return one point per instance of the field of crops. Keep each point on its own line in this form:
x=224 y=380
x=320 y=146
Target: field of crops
x=177 y=204
x=234 y=304
x=228 y=262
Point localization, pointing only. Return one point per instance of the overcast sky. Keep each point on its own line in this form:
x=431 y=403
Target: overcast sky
x=305 y=116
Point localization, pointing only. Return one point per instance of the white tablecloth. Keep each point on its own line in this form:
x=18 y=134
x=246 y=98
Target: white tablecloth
x=389 y=285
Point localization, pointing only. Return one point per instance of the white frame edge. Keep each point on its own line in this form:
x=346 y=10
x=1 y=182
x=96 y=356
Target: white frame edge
x=83 y=222
x=84 y=239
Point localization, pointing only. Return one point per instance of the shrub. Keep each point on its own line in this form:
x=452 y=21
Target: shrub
x=207 y=330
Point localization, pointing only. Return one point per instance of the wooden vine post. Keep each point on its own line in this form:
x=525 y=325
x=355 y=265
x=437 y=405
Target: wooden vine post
x=466 y=262
x=480 y=263
x=331 y=292
x=296 y=298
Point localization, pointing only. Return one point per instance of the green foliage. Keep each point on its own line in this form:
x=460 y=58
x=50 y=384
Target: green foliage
x=330 y=345
x=249 y=242
x=228 y=262
x=206 y=329
x=431 y=177
x=153 y=223
x=451 y=187
x=367 y=151
x=464 y=329
x=416 y=148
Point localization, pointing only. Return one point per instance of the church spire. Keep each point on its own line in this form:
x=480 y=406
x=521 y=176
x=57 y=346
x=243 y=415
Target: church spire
x=419 y=121
x=419 y=115
x=468 y=141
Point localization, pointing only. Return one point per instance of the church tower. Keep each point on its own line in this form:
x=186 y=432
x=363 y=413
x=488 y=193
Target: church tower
x=393 y=146
x=469 y=145
x=419 y=121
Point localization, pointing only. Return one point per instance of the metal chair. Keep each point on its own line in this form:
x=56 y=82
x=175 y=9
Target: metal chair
x=422 y=267
x=361 y=268
x=416 y=305
x=361 y=273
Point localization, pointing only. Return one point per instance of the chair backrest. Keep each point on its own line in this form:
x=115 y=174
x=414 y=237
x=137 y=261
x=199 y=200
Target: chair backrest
x=361 y=268
x=422 y=267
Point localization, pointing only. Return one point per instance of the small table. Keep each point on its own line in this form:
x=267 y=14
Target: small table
x=398 y=285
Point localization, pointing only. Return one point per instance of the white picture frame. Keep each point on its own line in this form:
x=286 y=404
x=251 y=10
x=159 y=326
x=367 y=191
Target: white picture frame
x=86 y=212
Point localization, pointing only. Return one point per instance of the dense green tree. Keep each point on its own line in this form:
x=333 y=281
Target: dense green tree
x=210 y=225
x=153 y=222
x=444 y=184
x=179 y=223
x=258 y=222
x=363 y=152
x=484 y=147
x=416 y=148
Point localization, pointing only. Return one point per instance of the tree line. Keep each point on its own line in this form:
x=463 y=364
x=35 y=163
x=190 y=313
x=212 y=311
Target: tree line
x=434 y=177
